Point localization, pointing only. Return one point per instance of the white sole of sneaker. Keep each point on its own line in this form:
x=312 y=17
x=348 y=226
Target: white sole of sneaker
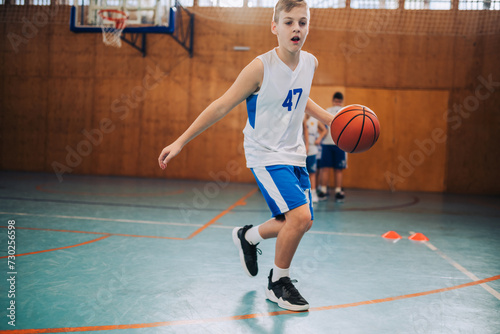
x=237 y=243
x=284 y=304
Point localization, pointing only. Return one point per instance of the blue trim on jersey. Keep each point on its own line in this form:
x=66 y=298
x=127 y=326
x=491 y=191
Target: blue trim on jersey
x=252 y=109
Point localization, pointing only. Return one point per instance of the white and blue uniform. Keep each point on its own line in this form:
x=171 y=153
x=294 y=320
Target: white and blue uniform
x=331 y=155
x=312 y=130
x=274 y=146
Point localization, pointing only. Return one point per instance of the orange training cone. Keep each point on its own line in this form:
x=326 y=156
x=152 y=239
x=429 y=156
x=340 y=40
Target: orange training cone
x=391 y=235
x=418 y=237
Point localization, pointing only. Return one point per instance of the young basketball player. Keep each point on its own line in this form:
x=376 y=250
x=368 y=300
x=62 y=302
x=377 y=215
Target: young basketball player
x=276 y=88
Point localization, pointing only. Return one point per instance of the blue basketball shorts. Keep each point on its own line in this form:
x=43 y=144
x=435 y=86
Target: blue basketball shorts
x=333 y=157
x=311 y=164
x=284 y=187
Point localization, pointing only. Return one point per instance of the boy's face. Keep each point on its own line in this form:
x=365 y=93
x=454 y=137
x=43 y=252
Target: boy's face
x=337 y=102
x=292 y=28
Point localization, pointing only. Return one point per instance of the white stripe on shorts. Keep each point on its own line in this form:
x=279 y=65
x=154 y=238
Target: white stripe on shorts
x=265 y=178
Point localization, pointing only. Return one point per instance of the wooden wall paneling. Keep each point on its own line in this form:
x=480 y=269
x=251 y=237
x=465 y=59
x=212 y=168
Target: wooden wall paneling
x=227 y=143
x=43 y=81
x=72 y=55
x=421 y=135
x=474 y=155
x=25 y=107
x=162 y=48
x=4 y=39
x=469 y=55
x=323 y=95
x=473 y=121
x=122 y=63
x=490 y=57
x=71 y=137
x=487 y=149
x=165 y=114
x=426 y=62
x=459 y=172
x=402 y=115
x=26 y=51
x=117 y=104
x=369 y=169
x=241 y=172
x=371 y=58
x=329 y=47
x=3 y=108
x=212 y=77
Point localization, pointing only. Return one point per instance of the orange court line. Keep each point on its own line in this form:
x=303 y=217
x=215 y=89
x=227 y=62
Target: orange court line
x=59 y=248
x=244 y=316
x=239 y=202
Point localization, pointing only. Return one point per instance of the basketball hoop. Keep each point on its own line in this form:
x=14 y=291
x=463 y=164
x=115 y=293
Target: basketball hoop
x=112 y=23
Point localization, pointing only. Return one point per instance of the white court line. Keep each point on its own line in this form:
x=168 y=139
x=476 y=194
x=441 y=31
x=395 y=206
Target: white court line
x=455 y=264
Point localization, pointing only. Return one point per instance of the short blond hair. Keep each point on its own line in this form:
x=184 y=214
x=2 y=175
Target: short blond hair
x=287 y=6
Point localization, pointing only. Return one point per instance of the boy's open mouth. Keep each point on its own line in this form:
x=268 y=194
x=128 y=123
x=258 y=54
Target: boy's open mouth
x=295 y=38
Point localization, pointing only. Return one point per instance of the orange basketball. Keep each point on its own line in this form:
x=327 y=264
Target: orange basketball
x=355 y=128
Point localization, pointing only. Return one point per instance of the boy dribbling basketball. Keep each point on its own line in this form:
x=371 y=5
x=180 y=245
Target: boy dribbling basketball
x=276 y=88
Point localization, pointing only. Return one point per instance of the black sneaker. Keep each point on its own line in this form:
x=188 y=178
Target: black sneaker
x=321 y=195
x=339 y=197
x=284 y=293
x=248 y=252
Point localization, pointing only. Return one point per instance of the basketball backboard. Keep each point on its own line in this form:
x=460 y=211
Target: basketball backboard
x=141 y=17
x=144 y=16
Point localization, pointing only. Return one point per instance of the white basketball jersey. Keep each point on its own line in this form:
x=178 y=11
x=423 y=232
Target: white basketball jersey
x=274 y=133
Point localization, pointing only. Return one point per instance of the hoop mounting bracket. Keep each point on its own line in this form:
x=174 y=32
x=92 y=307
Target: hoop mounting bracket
x=133 y=41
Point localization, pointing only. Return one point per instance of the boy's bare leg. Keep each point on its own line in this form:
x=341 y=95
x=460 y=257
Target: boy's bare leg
x=338 y=177
x=288 y=232
x=297 y=223
x=271 y=228
x=323 y=176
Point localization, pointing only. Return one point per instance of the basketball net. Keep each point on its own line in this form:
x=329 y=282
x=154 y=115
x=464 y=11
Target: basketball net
x=112 y=22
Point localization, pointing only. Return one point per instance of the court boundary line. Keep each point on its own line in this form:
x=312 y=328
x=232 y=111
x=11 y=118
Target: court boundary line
x=60 y=248
x=247 y=316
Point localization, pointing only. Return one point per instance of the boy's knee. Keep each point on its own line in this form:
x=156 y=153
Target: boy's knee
x=309 y=225
x=305 y=221
x=300 y=218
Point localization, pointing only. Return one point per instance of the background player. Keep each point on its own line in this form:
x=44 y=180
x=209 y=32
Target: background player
x=316 y=131
x=332 y=157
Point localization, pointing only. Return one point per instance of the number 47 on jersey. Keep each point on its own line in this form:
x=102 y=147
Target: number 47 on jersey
x=292 y=95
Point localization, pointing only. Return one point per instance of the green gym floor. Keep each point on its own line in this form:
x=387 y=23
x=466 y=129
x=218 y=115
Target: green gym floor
x=129 y=255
